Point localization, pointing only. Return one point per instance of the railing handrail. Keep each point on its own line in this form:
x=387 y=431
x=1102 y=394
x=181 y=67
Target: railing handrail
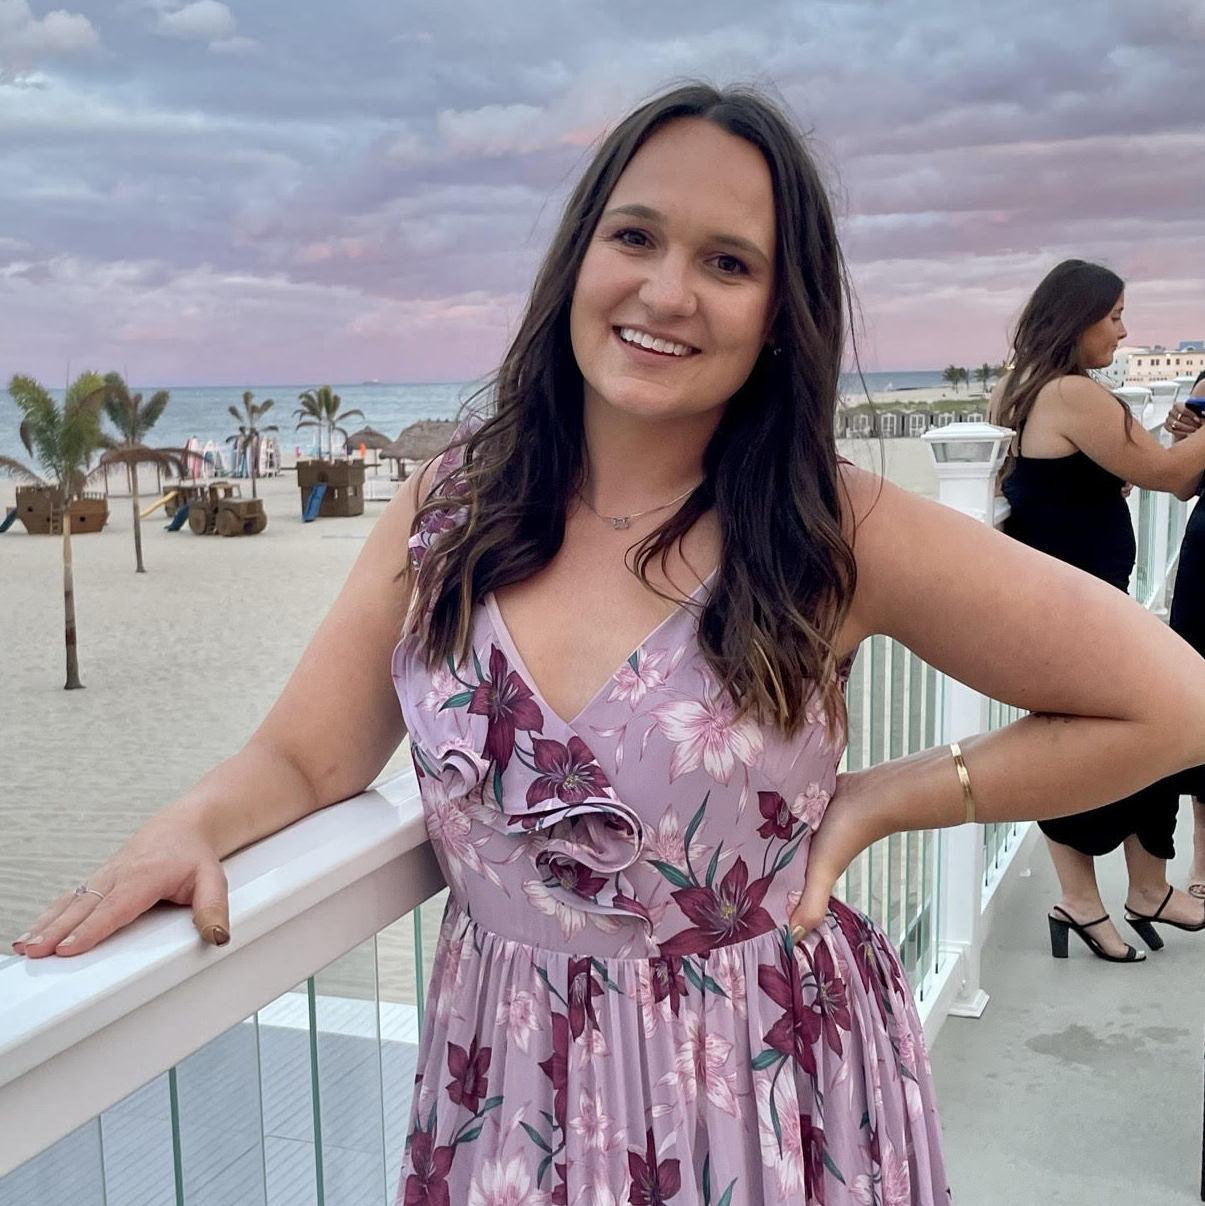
x=298 y=900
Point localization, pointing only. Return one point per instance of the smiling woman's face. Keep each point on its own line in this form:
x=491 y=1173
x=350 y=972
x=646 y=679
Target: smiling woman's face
x=672 y=302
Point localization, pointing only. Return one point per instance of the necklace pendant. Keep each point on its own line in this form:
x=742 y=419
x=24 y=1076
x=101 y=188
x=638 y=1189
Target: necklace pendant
x=619 y=522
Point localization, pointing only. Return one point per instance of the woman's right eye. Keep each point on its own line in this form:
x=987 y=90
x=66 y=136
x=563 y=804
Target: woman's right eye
x=631 y=238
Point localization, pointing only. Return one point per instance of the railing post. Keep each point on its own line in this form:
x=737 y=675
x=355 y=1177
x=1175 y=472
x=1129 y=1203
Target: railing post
x=966 y=458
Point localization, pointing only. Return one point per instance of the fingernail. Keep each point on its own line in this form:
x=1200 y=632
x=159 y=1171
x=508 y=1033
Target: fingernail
x=798 y=933
x=216 y=935
x=34 y=941
x=24 y=938
x=66 y=941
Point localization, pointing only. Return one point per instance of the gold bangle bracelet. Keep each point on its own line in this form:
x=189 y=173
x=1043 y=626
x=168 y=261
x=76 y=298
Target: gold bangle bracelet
x=965 y=779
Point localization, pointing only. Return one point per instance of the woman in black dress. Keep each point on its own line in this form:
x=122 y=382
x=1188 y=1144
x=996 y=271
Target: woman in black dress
x=1076 y=447
x=1188 y=619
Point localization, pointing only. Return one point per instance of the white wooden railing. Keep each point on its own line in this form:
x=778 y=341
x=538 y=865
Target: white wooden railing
x=153 y=1007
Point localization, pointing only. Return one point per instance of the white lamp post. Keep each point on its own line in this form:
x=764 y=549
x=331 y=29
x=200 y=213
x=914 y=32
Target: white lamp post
x=966 y=458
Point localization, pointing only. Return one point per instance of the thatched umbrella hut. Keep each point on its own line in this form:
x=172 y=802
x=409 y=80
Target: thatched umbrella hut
x=418 y=443
x=370 y=439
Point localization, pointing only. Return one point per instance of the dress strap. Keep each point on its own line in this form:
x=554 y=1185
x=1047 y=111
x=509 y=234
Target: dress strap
x=447 y=483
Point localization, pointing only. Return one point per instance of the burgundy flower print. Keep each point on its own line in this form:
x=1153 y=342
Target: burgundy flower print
x=507 y=702
x=653 y=1183
x=779 y=823
x=574 y=876
x=667 y=981
x=583 y=988
x=724 y=915
x=795 y=1033
x=556 y=1067
x=859 y=936
x=469 y=1083
x=812 y=1139
x=567 y=773
x=831 y=1001
x=426 y=1185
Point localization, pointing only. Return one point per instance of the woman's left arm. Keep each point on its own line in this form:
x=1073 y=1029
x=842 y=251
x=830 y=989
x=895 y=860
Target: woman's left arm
x=1117 y=699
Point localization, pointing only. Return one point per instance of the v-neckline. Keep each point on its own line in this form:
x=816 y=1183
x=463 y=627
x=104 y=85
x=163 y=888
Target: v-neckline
x=503 y=633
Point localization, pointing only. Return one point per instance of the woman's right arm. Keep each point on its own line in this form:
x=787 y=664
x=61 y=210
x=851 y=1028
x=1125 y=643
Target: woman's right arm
x=1092 y=419
x=329 y=734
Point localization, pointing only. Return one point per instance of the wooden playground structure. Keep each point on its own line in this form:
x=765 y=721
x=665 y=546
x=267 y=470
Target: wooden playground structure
x=211 y=506
x=40 y=509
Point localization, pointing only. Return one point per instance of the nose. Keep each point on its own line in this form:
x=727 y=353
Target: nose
x=667 y=289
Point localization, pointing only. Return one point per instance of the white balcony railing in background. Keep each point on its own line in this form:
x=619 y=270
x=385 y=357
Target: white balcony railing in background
x=278 y=1070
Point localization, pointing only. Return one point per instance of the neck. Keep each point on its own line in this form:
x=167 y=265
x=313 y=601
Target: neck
x=632 y=464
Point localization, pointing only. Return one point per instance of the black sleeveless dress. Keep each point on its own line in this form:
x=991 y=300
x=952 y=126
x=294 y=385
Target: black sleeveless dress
x=1072 y=508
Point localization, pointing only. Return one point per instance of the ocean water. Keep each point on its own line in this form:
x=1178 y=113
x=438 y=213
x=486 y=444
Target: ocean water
x=203 y=411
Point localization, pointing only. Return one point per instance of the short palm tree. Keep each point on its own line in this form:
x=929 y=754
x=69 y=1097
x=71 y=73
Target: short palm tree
x=320 y=408
x=133 y=419
x=250 y=431
x=984 y=373
x=953 y=375
x=64 y=440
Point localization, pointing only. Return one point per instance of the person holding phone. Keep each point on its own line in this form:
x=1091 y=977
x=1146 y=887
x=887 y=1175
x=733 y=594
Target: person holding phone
x=1188 y=617
x=1075 y=450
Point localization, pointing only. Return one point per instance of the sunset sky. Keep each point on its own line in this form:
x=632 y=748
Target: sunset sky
x=266 y=191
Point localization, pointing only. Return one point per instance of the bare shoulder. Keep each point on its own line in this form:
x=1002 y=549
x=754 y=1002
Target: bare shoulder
x=1078 y=394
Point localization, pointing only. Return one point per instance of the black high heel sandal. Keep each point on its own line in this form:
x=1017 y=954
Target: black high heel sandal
x=1060 y=927
x=1143 y=923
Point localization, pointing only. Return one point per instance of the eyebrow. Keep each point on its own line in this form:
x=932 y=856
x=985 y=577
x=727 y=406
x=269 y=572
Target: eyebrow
x=654 y=215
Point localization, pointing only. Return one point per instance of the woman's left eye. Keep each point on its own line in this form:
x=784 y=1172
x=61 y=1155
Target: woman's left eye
x=729 y=265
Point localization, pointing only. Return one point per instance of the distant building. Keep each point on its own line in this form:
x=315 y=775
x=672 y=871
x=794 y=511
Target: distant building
x=1161 y=364
x=908 y=421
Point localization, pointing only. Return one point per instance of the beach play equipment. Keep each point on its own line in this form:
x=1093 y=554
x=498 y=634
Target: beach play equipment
x=313 y=502
x=9 y=519
x=159 y=502
x=178 y=520
x=219 y=507
x=344 y=487
x=40 y=509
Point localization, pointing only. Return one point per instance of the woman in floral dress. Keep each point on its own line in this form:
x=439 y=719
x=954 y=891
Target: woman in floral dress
x=633 y=590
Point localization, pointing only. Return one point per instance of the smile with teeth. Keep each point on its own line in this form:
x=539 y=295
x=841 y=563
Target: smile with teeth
x=642 y=339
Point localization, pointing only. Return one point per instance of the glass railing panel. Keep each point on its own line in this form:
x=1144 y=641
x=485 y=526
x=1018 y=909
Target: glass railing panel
x=139 y=1148
x=217 y=1118
x=346 y=1060
x=69 y=1173
x=286 y=1084
x=405 y=951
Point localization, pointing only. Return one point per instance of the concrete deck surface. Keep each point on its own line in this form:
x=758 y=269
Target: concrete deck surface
x=1082 y=1083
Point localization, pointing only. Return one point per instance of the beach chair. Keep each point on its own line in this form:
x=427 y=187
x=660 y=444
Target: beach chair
x=8 y=520
x=313 y=502
x=178 y=520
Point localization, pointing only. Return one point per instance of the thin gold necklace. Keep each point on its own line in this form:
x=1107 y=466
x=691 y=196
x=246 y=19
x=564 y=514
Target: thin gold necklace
x=619 y=522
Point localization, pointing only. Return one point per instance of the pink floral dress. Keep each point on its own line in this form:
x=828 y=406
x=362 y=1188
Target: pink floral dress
x=618 y=1015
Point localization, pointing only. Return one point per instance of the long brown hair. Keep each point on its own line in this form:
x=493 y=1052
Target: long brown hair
x=787 y=573
x=1072 y=297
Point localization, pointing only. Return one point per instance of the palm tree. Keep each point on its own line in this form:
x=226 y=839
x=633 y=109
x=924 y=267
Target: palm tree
x=984 y=373
x=64 y=440
x=320 y=408
x=133 y=420
x=953 y=375
x=250 y=430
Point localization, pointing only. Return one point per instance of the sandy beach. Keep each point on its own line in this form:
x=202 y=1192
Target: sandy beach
x=179 y=664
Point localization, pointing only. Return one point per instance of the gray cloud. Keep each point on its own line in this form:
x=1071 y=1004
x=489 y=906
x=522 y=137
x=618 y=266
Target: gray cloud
x=26 y=39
